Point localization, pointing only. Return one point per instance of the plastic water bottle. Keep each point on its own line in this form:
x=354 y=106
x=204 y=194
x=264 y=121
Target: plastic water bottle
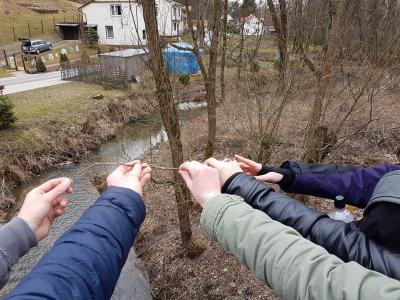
x=341 y=213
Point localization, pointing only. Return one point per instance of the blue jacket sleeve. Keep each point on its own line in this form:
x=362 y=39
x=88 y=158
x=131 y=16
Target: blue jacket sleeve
x=355 y=184
x=86 y=261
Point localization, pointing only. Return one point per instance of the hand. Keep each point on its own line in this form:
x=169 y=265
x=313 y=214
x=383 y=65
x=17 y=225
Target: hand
x=271 y=177
x=44 y=204
x=248 y=166
x=133 y=175
x=225 y=169
x=202 y=181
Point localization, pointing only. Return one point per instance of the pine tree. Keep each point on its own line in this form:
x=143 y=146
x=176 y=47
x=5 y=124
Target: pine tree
x=92 y=37
x=7 y=117
x=64 y=58
x=40 y=66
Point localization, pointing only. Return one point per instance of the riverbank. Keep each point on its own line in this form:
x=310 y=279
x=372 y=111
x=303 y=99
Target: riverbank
x=62 y=124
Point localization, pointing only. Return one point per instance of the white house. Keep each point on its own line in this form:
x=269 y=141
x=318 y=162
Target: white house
x=253 y=25
x=121 y=23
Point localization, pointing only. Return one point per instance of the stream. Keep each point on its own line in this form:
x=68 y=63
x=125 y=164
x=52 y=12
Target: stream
x=132 y=141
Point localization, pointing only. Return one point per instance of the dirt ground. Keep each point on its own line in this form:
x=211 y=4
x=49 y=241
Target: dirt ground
x=216 y=274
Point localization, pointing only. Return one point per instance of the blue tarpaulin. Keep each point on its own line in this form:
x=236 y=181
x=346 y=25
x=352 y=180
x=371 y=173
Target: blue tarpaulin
x=181 y=61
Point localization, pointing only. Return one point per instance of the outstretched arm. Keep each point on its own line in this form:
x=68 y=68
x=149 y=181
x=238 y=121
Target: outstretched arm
x=343 y=240
x=293 y=266
x=86 y=261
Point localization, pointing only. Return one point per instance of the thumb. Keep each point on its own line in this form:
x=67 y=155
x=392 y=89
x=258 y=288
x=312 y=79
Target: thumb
x=212 y=162
x=59 y=190
x=136 y=171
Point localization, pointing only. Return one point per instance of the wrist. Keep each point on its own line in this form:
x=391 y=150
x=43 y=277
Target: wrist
x=207 y=197
x=31 y=225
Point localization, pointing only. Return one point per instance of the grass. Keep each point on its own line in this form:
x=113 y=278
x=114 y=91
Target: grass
x=14 y=13
x=60 y=105
x=5 y=72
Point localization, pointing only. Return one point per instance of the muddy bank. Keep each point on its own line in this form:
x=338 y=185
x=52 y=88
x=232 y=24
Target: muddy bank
x=59 y=145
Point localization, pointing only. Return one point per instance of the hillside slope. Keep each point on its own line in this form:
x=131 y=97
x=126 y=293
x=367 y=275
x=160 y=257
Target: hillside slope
x=16 y=14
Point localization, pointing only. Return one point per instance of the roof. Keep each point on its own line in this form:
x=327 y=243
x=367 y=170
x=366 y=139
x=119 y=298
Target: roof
x=245 y=19
x=117 y=1
x=125 y=53
x=67 y=24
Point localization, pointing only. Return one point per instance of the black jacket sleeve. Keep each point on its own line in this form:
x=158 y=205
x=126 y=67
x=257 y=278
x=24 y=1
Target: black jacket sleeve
x=343 y=240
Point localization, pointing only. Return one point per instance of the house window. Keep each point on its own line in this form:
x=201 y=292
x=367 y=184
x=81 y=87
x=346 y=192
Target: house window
x=174 y=12
x=257 y=23
x=116 y=10
x=175 y=27
x=247 y=30
x=179 y=12
x=144 y=34
x=109 y=32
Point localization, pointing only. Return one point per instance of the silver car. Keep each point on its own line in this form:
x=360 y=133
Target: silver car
x=35 y=46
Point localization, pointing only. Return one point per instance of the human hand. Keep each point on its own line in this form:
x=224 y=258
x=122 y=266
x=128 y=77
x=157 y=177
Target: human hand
x=133 y=175
x=252 y=168
x=202 y=181
x=248 y=166
x=225 y=168
x=44 y=204
x=271 y=177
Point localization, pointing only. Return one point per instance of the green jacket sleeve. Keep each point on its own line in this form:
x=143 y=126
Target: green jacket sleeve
x=293 y=266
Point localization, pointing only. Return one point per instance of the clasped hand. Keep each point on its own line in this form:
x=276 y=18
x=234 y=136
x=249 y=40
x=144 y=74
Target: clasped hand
x=47 y=202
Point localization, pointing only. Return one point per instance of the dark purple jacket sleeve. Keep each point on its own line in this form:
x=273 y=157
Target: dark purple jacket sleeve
x=355 y=184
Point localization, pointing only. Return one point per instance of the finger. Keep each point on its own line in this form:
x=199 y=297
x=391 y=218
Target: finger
x=186 y=177
x=246 y=161
x=145 y=179
x=212 y=162
x=59 y=189
x=55 y=202
x=136 y=171
x=271 y=177
x=132 y=163
x=49 y=185
x=188 y=166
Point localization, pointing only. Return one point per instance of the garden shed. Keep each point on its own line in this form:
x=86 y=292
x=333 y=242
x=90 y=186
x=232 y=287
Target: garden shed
x=127 y=64
x=69 y=31
x=181 y=59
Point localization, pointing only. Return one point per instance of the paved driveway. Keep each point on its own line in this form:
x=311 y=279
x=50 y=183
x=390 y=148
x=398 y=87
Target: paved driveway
x=22 y=81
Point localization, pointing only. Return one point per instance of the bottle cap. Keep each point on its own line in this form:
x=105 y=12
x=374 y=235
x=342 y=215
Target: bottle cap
x=339 y=202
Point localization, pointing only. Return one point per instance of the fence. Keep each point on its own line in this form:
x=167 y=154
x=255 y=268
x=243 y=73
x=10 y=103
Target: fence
x=36 y=27
x=93 y=72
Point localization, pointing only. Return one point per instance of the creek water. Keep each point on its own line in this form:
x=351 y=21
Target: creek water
x=131 y=141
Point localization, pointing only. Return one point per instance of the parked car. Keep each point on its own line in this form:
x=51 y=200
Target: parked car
x=35 y=46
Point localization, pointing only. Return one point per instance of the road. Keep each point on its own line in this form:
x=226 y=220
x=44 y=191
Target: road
x=22 y=81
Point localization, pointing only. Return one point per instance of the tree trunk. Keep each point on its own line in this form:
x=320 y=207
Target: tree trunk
x=280 y=25
x=211 y=82
x=170 y=120
x=223 y=50
x=241 y=46
x=313 y=142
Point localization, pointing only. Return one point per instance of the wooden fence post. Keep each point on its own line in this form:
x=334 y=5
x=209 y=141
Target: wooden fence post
x=29 y=29
x=54 y=23
x=5 y=57
x=23 y=61
x=41 y=23
x=15 y=61
x=15 y=38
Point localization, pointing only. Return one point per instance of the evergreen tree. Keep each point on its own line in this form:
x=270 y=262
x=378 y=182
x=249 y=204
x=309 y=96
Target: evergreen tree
x=7 y=117
x=40 y=66
x=92 y=37
x=64 y=58
x=248 y=7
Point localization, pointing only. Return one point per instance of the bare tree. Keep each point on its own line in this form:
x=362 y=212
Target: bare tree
x=210 y=75
x=170 y=120
x=223 y=49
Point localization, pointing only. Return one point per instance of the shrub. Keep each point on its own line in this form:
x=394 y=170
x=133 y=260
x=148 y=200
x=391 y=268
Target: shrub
x=92 y=37
x=40 y=66
x=85 y=57
x=184 y=79
x=7 y=117
x=64 y=58
x=254 y=67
